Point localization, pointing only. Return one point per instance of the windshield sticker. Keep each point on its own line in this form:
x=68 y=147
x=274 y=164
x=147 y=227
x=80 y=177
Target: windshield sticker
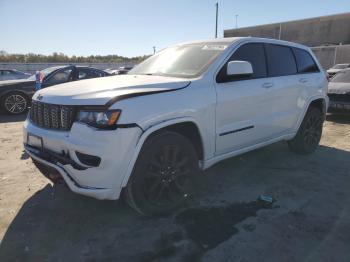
x=214 y=47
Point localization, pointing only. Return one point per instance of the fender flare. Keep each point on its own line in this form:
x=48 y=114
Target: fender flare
x=306 y=108
x=144 y=137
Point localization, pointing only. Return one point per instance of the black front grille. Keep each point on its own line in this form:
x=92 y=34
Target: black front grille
x=339 y=97
x=50 y=116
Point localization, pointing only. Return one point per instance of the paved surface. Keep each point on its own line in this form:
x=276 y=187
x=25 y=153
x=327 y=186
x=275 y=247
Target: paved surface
x=310 y=220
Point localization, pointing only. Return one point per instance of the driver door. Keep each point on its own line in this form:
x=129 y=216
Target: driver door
x=243 y=114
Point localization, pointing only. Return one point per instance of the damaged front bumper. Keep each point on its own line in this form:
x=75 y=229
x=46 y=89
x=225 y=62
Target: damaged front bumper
x=63 y=151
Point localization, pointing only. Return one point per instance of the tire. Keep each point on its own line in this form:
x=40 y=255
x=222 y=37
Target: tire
x=309 y=134
x=14 y=103
x=163 y=174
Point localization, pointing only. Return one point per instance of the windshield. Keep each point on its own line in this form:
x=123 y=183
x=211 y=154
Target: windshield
x=340 y=66
x=45 y=72
x=181 y=61
x=342 y=76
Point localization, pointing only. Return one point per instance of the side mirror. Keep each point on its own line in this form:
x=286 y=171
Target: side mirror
x=239 y=68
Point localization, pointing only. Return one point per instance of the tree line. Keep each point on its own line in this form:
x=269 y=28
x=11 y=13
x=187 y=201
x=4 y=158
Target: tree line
x=62 y=58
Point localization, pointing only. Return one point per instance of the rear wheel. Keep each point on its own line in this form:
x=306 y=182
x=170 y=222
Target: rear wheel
x=309 y=133
x=14 y=103
x=162 y=176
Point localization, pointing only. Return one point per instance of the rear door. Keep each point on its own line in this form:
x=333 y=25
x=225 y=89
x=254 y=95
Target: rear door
x=282 y=70
x=243 y=103
x=310 y=77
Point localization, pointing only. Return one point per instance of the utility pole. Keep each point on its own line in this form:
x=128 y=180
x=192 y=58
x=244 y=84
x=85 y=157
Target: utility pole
x=154 y=49
x=236 y=21
x=216 y=19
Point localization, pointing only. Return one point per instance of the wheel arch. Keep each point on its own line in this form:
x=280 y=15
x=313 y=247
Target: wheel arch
x=185 y=126
x=319 y=102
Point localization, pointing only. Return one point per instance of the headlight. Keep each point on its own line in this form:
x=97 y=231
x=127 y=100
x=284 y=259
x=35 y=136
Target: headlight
x=99 y=119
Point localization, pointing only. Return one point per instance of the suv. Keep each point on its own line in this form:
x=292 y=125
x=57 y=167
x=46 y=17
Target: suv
x=145 y=135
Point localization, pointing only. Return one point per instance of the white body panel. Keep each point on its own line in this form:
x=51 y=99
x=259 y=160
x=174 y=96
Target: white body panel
x=274 y=112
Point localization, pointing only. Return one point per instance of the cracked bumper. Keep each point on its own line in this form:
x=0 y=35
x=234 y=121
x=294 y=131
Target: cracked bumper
x=114 y=147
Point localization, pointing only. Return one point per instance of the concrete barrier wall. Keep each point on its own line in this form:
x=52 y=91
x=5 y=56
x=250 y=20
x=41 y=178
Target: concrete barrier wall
x=33 y=67
x=333 y=29
x=331 y=55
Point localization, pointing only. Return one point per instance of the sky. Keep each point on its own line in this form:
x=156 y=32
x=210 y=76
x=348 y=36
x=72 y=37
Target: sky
x=133 y=27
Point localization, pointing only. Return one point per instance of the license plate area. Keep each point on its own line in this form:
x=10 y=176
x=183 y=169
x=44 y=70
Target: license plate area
x=35 y=141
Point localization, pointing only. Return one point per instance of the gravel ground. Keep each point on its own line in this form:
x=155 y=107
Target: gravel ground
x=309 y=220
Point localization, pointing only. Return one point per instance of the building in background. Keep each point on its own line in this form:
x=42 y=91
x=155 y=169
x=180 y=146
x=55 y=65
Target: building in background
x=328 y=36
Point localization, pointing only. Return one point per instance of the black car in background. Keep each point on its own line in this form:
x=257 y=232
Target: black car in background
x=11 y=74
x=15 y=95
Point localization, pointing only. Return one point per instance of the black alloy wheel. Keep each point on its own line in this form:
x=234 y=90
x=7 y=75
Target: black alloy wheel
x=161 y=180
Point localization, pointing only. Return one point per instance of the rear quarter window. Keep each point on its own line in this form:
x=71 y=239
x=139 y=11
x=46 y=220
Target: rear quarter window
x=280 y=60
x=305 y=62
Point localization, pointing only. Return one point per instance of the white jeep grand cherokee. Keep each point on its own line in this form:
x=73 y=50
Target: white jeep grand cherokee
x=191 y=105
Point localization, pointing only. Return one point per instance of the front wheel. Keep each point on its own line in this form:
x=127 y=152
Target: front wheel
x=309 y=133
x=162 y=176
x=14 y=103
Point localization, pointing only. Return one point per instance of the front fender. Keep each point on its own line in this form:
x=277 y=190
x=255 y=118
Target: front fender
x=143 y=138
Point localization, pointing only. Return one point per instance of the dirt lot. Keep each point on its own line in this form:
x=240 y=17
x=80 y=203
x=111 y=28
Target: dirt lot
x=310 y=220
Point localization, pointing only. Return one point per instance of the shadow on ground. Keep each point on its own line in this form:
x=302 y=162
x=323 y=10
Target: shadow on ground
x=312 y=192
x=4 y=118
x=340 y=119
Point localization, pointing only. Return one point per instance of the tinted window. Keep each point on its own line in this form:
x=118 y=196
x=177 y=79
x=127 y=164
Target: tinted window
x=253 y=53
x=59 y=77
x=86 y=73
x=280 y=60
x=305 y=62
x=8 y=72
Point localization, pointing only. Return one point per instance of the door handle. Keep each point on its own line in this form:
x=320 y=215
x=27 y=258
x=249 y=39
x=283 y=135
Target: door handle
x=267 y=85
x=302 y=80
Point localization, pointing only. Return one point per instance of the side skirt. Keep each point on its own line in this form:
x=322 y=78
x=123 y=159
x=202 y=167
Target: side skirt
x=209 y=162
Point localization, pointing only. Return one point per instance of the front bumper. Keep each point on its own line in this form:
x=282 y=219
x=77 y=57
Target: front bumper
x=114 y=147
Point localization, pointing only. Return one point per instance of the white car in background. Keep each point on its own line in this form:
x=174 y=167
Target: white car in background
x=189 y=106
x=339 y=93
x=336 y=68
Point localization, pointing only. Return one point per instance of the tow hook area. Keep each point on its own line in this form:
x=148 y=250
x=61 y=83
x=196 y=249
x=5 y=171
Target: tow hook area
x=54 y=157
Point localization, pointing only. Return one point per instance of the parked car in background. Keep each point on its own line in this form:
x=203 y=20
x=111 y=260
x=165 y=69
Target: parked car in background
x=15 y=95
x=339 y=92
x=11 y=74
x=111 y=71
x=123 y=70
x=336 y=68
x=146 y=134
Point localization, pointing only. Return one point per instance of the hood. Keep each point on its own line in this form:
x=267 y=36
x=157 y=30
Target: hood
x=16 y=83
x=338 y=88
x=101 y=91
